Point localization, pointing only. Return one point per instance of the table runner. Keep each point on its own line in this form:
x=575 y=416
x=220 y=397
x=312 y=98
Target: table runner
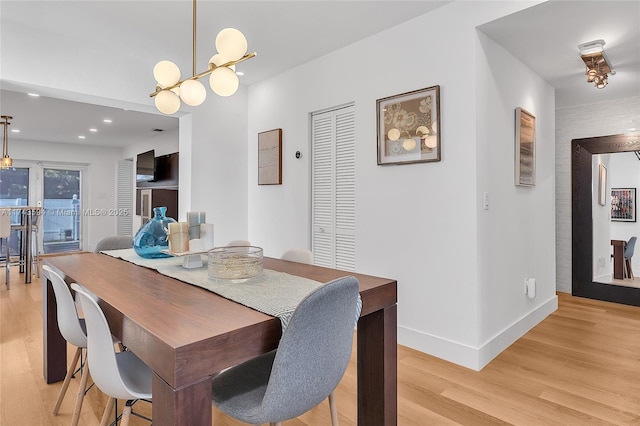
x=273 y=293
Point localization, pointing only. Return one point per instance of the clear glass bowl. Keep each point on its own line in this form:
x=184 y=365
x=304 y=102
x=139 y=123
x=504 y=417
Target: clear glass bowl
x=235 y=262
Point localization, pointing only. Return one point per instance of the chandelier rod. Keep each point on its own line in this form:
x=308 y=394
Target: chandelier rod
x=194 y=38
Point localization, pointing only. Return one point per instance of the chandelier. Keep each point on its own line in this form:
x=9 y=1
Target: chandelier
x=598 y=68
x=231 y=45
x=6 y=161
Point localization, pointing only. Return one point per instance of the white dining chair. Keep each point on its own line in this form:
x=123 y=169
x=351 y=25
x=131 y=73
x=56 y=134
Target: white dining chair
x=120 y=375
x=236 y=243
x=72 y=329
x=298 y=255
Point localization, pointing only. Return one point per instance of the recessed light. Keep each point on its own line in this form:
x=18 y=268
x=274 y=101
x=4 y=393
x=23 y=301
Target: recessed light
x=82 y=137
x=239 y=73
x=107 y=120
x=15 y=130
x=34 y=95
x=93 y=129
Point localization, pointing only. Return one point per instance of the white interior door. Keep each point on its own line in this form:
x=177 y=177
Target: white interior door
x=333 y=188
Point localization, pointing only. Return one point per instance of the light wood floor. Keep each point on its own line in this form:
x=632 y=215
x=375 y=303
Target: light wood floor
x=580 y=366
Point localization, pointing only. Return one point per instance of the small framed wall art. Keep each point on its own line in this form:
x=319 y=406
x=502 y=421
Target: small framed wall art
x=602 y=185
x=270 y=157
x=409 y=127
x=525 y=148
x=623 y=204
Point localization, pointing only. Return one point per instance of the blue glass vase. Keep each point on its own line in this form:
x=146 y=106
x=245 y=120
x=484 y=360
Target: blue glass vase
x=152 y=237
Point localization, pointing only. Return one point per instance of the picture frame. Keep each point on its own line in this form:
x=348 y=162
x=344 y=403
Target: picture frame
x=270 y=157
x=602 y=185
x=408 y=127
x=525 y=149
x=623 y=204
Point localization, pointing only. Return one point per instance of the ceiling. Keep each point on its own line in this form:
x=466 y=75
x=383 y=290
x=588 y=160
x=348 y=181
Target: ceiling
x=544 y=37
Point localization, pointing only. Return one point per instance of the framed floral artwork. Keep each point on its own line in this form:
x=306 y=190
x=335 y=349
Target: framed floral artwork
x=409 y=127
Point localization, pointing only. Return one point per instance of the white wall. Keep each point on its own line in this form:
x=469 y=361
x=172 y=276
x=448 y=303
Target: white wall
x=217 y=164
x=516 y=238
x=163 y=143
x=100 y=179
x=583 y=121
x=602 y=262
x=415 y=223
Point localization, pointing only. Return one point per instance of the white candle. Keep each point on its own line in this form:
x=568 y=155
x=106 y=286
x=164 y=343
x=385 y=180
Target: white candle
x=178 y=237
x=196 y=245
x=206 y=235
x=194 y=219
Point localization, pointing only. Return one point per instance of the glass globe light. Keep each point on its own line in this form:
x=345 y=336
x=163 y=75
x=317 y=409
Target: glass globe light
x=431 y=142
x=167 y=102
x=422 y=131
x=166 y=73
x=218 y=59
x=231 y=43
x=223 y=81
x=6 y=162
x=192 y=92
x=394 y=134
x=409 y=144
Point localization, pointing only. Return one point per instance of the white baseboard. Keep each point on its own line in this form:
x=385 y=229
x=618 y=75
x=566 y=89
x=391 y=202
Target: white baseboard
x=475 y=358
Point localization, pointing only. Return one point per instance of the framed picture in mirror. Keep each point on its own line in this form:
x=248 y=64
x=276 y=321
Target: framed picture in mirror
x=623 y=204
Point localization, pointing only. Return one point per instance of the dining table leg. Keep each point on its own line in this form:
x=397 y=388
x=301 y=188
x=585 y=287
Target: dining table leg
x=377 y=352
x=54 y=353
x=189 y=405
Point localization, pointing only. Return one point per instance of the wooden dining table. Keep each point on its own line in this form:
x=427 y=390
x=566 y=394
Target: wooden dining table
x=185 y=333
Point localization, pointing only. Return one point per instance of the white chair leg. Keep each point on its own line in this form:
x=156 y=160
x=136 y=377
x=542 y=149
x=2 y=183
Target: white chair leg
x=334 y=409
x=107 y=412
x=67 y=379
x=80 y=398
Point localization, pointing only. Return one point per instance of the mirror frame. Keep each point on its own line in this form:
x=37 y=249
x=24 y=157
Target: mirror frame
x=582 y=283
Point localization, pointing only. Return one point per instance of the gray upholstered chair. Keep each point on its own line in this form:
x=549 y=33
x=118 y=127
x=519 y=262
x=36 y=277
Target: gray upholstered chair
x=628 y=254
x=115 y=242
x=310 y=361
x=298 y=255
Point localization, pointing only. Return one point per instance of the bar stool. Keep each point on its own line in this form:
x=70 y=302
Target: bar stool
x=35 y=245
x=5 y=234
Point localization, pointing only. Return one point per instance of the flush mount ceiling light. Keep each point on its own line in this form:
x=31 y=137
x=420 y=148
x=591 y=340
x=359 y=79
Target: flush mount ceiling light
x=231 y=45
x=6 y=161
x=598 y=68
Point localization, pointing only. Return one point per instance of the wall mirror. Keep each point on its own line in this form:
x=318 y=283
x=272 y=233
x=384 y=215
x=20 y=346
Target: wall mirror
x=582 y=239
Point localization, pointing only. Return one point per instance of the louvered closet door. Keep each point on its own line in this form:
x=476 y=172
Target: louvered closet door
x=333 y=187
x=124 y=198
